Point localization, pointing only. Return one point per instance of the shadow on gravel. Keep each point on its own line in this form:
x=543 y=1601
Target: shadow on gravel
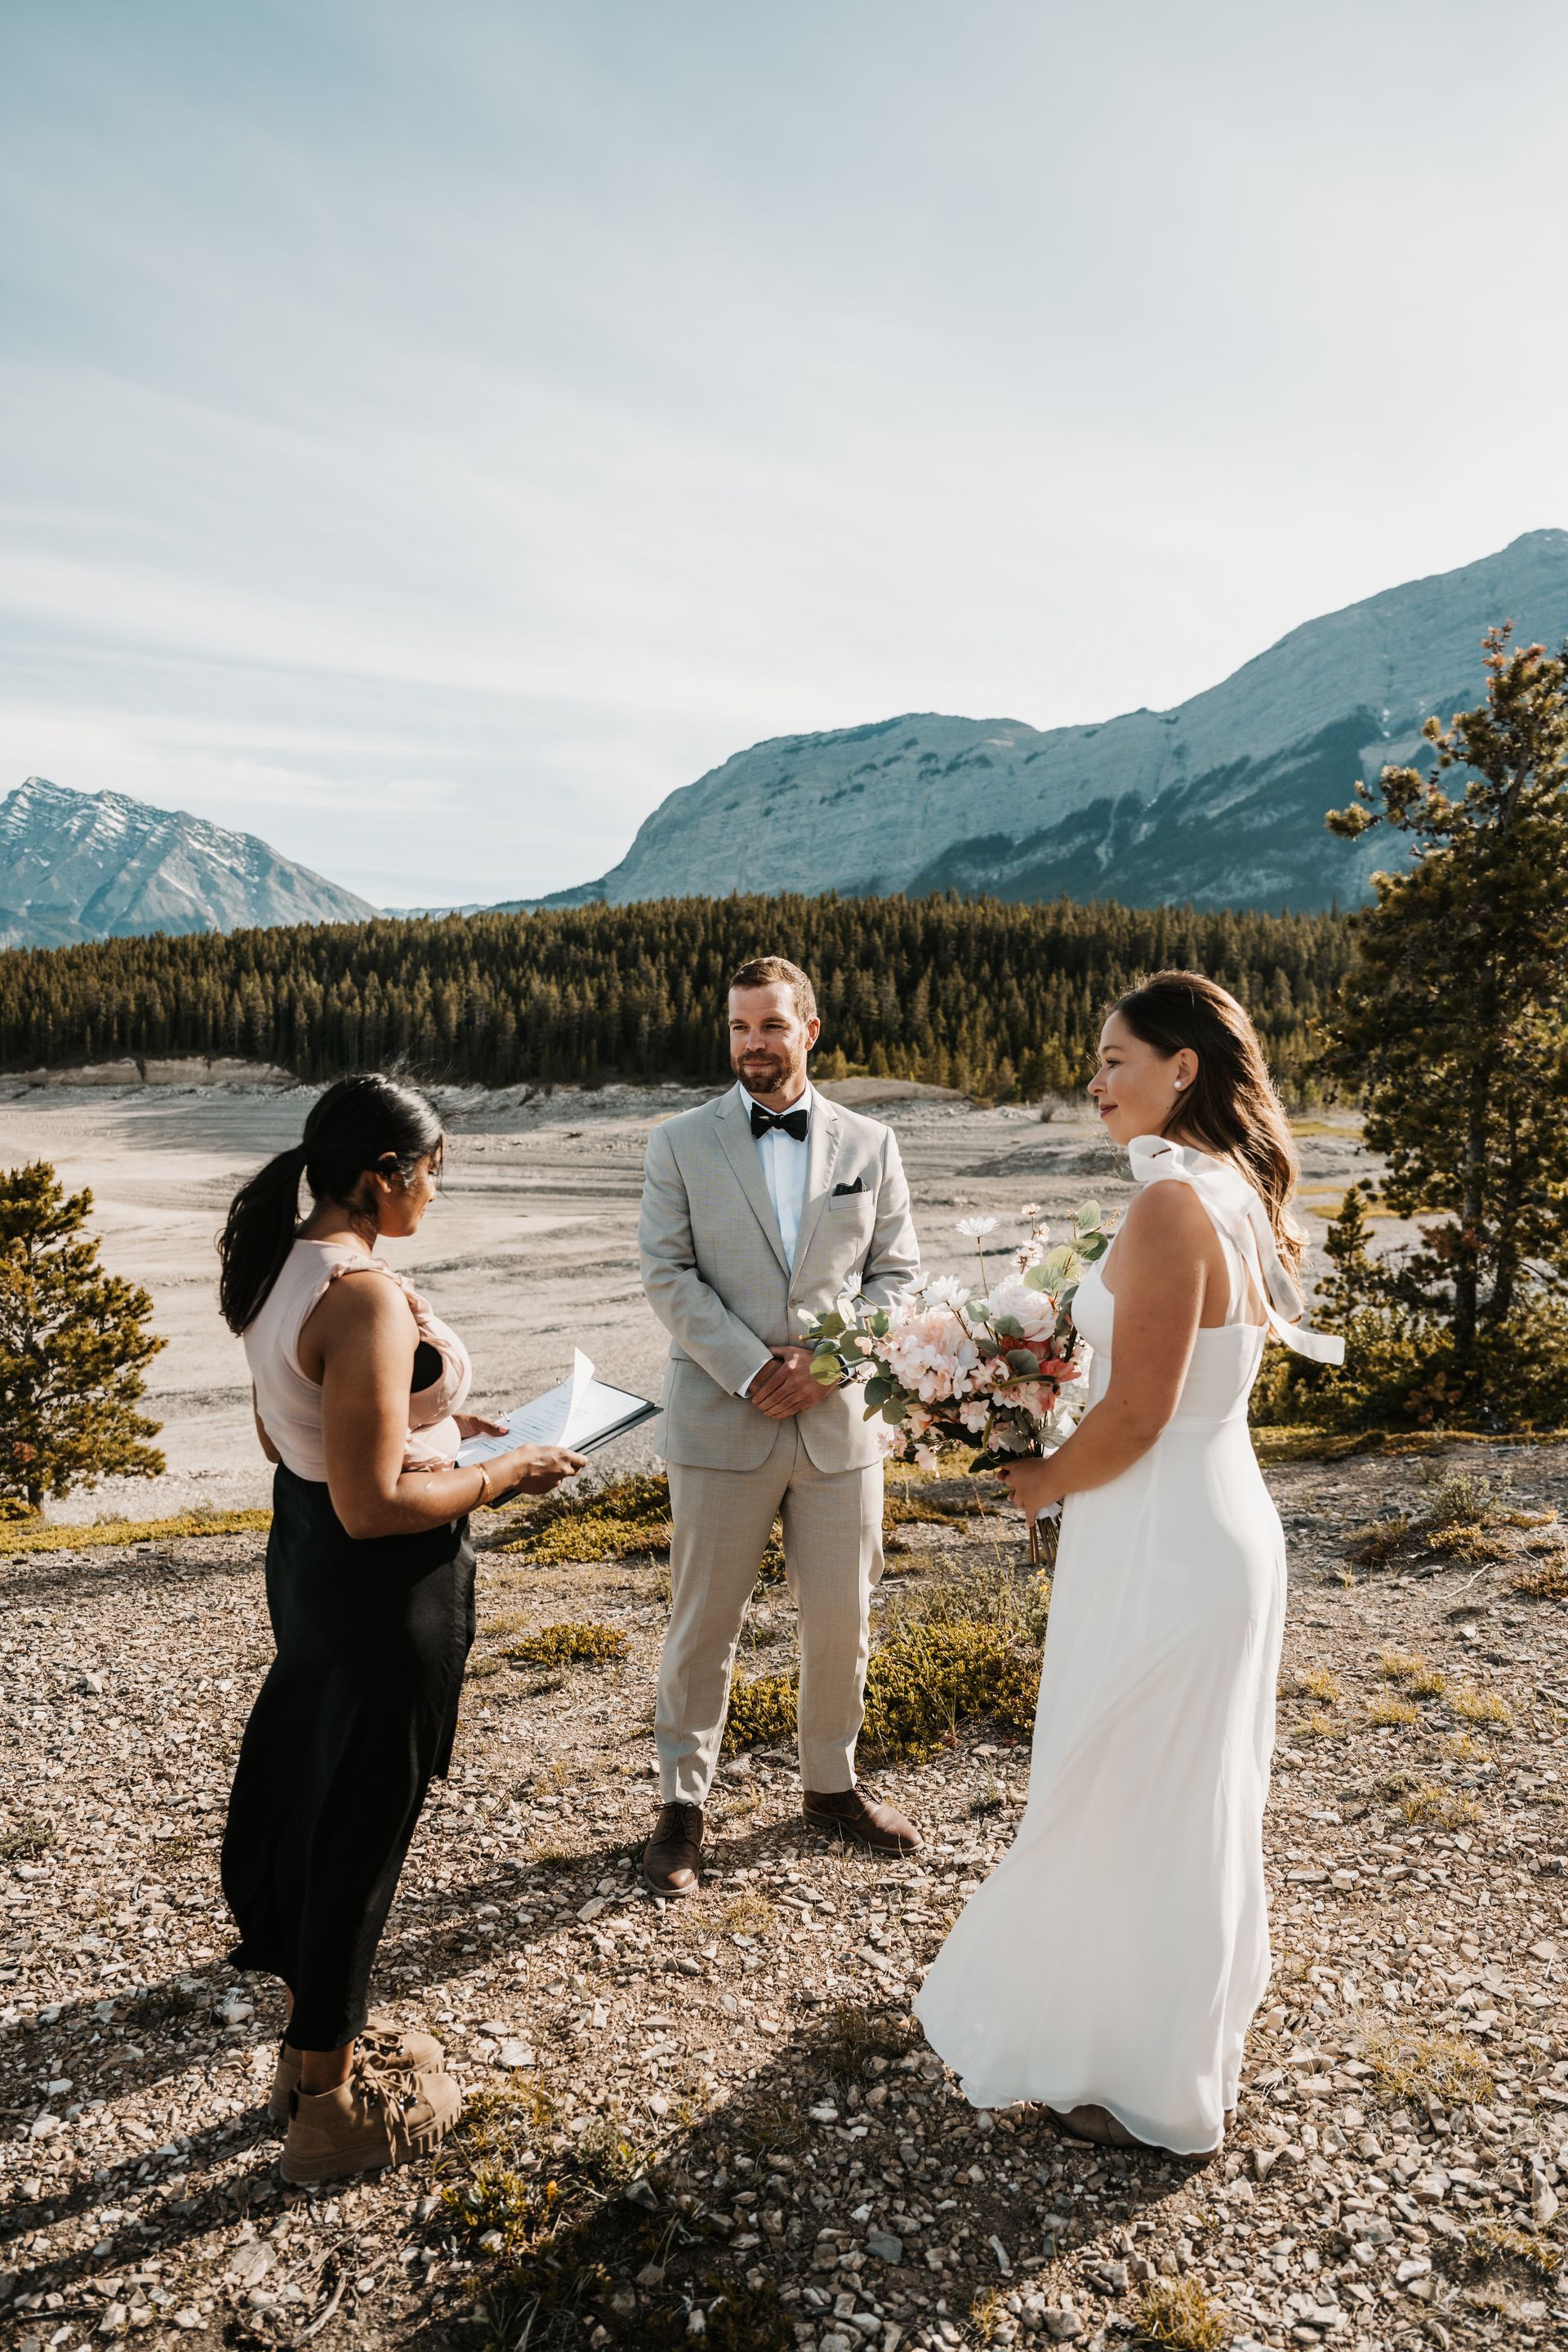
x=634 y=2238
x=57 y=1575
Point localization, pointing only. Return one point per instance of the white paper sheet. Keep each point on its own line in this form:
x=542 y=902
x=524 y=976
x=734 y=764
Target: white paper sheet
x=581 y=1412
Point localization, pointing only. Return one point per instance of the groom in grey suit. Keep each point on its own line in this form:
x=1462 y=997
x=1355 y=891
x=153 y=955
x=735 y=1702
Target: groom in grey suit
x=761 y=1209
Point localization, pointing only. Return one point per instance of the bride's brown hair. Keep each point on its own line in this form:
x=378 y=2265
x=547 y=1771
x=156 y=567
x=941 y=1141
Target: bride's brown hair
x=1231 y=1106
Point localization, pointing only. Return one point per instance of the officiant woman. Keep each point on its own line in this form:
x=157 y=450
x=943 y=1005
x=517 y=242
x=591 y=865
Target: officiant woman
x=370 y=1586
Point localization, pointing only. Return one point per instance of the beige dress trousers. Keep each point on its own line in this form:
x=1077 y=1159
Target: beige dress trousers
x=721 y=1281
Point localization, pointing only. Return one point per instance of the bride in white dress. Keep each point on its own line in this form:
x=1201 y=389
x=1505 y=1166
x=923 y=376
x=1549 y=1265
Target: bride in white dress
x=1110 y=1966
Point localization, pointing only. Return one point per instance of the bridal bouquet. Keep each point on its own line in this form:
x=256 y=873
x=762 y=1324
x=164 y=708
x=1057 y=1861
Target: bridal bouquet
x=951 y=1364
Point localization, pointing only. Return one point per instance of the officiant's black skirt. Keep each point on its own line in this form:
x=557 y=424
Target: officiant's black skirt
x=352 y=1724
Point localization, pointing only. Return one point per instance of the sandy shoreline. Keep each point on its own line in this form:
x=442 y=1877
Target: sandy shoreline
x=531 y=1250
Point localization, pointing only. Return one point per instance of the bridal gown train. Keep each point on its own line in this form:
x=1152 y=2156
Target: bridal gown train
x=1118 y=1953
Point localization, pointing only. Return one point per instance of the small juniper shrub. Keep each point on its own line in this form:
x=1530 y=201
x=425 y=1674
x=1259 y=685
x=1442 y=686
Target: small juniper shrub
x=1181 y=2313
x=1409 y=1667
x=627 y=1518
x=1494 y=2245
x=1472 y=1706
x=1547 y=1582
x=1418 y=2065
x=27 y=1842
x=574 y=1641
x=1431 y=1806
x=1315 y=1682
x=964 y=1649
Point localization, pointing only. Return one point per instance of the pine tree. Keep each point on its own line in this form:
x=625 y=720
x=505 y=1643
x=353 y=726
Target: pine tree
x=1355 y=1279
x=1454 y=1019
x=73 y=1340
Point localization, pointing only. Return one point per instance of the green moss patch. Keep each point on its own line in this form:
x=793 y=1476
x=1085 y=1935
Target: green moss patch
x=35 y=1535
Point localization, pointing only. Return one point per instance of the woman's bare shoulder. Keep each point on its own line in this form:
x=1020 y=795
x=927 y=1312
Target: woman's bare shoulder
x=362 y=1303
x=1165 y=1212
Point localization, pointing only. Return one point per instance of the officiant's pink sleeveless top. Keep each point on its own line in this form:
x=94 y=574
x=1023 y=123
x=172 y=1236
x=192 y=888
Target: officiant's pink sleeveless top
x=289 y=1403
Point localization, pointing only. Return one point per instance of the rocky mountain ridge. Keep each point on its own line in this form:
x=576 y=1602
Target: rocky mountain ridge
x=93 y=865
x=1219 y=800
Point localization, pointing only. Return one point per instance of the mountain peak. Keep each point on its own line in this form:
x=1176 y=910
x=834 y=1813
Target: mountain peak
x=88 y=865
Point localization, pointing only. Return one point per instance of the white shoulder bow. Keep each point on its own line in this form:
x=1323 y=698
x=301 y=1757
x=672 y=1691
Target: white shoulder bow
x=1237 y=1210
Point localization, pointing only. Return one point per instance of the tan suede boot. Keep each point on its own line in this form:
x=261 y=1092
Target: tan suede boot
x=371 y=2120
x=382 y=2043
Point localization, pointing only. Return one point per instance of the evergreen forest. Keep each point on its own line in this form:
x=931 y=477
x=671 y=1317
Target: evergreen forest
x=998 y=999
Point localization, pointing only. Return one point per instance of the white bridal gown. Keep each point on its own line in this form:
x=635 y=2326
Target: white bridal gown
x=1116 y=1955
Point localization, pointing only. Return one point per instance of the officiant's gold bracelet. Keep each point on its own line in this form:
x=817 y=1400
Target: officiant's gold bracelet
x=484 y=1494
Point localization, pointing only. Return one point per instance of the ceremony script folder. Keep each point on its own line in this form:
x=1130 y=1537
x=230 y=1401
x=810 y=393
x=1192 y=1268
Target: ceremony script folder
x=583 y=1413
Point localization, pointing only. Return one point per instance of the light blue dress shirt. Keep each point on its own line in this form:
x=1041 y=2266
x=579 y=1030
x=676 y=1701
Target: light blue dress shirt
x=784 y=1169
x=784 y=1172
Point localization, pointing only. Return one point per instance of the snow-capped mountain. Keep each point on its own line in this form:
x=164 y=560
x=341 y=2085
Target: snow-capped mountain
x=95 y=865
x=1220 y=800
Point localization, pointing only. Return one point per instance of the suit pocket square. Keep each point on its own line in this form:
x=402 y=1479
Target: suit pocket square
x=844 y=1192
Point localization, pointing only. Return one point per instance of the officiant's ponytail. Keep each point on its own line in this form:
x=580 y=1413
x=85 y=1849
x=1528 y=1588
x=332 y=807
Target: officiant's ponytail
x=359 y=1124
x=1231 y=1106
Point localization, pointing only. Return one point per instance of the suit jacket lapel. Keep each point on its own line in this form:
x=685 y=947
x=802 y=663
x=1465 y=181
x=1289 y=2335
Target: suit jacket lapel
x=741 y=1150
x=821 y=1153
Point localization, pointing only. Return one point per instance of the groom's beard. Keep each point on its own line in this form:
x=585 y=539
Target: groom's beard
x=768 y=1074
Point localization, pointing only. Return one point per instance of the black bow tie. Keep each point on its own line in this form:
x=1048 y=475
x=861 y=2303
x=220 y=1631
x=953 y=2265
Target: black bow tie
x=793 y=1122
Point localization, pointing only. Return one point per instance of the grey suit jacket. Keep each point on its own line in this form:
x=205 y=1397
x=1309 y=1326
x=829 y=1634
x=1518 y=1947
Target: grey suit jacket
x=716 y=1275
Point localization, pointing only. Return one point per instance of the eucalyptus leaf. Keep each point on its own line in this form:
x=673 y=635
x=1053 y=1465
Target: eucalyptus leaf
x=1088 y=1218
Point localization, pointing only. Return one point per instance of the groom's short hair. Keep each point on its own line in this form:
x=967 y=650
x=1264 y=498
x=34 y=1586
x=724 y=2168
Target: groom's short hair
x=762 y=972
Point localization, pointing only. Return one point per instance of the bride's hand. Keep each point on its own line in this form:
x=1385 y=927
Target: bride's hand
x=1031 y=1484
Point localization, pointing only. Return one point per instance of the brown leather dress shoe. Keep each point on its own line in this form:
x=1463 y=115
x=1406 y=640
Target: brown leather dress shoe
x=851 y=1813
x=672 y=1858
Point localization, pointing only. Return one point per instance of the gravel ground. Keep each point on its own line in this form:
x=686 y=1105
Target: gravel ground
x=746 y=2138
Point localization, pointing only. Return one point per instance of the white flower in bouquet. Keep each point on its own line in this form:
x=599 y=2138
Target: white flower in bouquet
x=975 y=1229
x=946 y=1290
x=1034 y=1312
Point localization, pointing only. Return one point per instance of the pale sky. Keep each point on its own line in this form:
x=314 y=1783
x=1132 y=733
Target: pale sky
x=428 y=434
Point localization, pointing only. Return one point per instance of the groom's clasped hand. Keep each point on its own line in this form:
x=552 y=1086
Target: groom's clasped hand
x=786 y=1385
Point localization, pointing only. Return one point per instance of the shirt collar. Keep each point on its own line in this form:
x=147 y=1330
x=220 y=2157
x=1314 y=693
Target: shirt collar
x=805 y=1100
